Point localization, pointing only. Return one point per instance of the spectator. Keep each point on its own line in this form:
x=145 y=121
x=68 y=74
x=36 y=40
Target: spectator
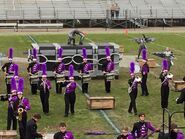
x=175 y=133
x=117 y=9
x=63 y=133
x=125 y=134
x=31 y=128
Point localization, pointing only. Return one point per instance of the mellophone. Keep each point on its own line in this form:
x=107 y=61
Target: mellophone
x=60 y=78
x=110 y=76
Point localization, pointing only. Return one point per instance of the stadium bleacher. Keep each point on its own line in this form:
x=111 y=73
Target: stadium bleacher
x=89 y=9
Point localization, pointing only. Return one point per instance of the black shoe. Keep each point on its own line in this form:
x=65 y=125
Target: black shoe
x=147 y=94
x=129 y=112
x=135 y=113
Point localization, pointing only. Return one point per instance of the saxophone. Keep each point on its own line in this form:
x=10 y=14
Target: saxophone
x=19 y=111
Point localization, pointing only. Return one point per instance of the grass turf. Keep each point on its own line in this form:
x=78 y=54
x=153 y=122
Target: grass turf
x=88 y=120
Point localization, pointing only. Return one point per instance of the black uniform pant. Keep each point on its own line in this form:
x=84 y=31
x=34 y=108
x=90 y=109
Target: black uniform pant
x=70 y=99
x=144 y=86
x=107 y=86
x=164 y=96
x=8 y=88
x=133 y=96
x=11 y=119
x=22 y=126
x=84 y=87
x=44 y=97
x=59 y=87
x=34 y=89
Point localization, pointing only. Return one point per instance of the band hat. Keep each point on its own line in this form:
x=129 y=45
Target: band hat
x=10 y=54
x=165 y=65
x=44 y=70
x=59 y=52
x=20 y=86
x=71 y=71
x=107 y=52
x=132 y=68
x=34 y=53
x=13 y=85
x=16 y=70
x=84 y=53
x=144 y=55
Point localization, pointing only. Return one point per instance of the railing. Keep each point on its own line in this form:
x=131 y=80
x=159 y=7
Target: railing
x=53 y=13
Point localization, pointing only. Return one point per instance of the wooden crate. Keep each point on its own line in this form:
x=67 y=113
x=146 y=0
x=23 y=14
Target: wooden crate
x=179 y=85
x=8 y=134
x=101 y=102
x=151 y=63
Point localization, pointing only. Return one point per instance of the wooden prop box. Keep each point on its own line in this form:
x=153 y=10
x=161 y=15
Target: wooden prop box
x=8 y=134
x=101 y=102
x=179 y=85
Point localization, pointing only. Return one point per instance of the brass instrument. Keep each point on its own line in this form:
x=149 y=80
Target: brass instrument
x=20 y=111
x=138 y=80
x=169 y=76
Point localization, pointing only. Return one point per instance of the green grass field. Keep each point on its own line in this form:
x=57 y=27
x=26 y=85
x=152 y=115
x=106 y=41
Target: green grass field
x=91 y=120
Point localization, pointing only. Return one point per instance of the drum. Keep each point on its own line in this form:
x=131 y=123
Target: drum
x=8 y=79
x=86 y=78
x=110 y=76
x=60 y=78
x=34 y=79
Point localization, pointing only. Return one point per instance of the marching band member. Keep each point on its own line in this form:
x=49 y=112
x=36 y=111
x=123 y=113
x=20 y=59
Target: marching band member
x=23 y=106
x=144 y=73
x=140 y=128
x=44 y=86
x=11 y=116
x=8 y=69
x=85 y=68
x=63 y=133
x=164 y=84
x=108 y=67
x=132 y=89
x=59 y=69
x=72 y=34
x=70 y=96
x=33 y=69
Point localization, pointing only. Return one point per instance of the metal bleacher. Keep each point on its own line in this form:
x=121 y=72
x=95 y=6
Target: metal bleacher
x=89 y=9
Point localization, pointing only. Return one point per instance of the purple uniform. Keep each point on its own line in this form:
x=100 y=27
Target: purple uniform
x=140 y=129
x=70 y=88
x=128 y=136
x=65 y=135
x=23 y=102
x=60 y=67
